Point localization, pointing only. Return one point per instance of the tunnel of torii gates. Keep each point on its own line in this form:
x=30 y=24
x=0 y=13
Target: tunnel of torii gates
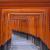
x=31 y=20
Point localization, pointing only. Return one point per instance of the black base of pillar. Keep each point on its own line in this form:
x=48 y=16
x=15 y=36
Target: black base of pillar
x=5 y=46
x=40 y=43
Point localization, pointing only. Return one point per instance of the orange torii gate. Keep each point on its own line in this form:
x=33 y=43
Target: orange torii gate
x=34 y=21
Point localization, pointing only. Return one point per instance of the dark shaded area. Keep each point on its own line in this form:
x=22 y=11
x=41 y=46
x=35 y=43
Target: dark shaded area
x=5 y=46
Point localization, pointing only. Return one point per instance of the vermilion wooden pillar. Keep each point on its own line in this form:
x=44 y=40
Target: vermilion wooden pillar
x=0 y=26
